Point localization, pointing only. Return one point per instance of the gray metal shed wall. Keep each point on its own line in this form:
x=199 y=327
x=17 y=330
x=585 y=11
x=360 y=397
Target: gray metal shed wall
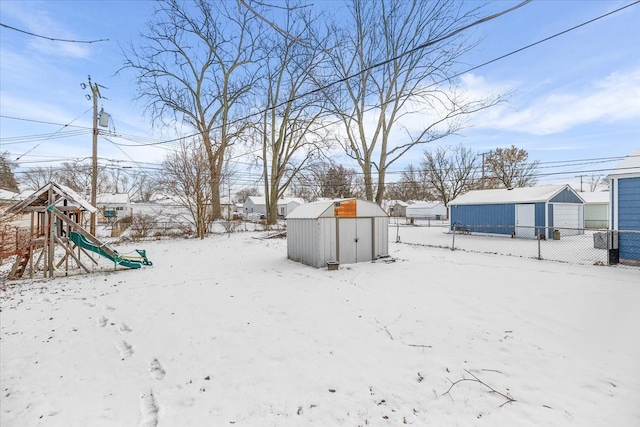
x=327 y=241
x=302 y=241
x=381 y=236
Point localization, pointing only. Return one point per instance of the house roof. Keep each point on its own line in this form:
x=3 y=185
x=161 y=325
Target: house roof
x=119 y=198
x=325 y=209
x=595 y=197
x=516 y=195
x=256 y=200
x=8 y=195
x=40 y=198
x=629 y=167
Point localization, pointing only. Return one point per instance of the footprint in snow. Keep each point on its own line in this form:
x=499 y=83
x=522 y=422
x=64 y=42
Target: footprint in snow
x=102 y=321
x=108 y=307
x=124 y=328
x=124 y=348
x=148 y=410
x=155 y=370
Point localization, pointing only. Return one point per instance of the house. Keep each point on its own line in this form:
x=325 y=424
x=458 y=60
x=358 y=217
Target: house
x=257 y=204
x=624 y=189
x=596 y=209
x=344 y=231
x=396 y=208
x=114 y=206
x=521 y=212
x=426 y=209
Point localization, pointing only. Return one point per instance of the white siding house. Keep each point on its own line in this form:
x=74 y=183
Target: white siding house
x=432 y=210
x=257 y=204
x=346 y=231
x=115 y=206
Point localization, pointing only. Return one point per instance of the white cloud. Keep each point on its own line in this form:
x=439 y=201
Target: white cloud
x=613 y=99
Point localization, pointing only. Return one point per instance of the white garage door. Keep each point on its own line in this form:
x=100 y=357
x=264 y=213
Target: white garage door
x=569 y=216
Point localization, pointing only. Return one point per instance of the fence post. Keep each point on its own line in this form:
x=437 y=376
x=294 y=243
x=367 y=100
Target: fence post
x=453 y=241
x=539 y=244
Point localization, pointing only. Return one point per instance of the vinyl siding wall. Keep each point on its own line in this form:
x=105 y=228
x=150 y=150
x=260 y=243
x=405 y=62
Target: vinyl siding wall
x=629 y=217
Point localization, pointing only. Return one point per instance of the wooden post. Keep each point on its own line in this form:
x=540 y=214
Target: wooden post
x=52 y=234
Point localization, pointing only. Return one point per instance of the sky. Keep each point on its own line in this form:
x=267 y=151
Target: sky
x=573 y=105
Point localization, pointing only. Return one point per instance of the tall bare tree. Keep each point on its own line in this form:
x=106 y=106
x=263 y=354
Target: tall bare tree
x=511 y=168
x=412 y=185
x=196 y=65
x=451 y=171
x=37 y=177
x=403 y=93
x=185 y=174
x=291 y=131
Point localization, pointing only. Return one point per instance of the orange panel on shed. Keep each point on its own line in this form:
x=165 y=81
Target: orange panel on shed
x=346 y=209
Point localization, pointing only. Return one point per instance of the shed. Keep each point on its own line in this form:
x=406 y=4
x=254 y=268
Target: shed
x=346 y=231
x=596 y=209
x=525 y=211
x=624 y=189
x=426 y=209
x=396 y=208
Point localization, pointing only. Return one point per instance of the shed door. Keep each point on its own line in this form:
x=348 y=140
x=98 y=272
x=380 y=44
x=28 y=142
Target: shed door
x=526 y=221
x=569 y=216
x=355 y=240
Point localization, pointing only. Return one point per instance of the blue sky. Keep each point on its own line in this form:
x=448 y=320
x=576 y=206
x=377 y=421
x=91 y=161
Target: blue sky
x=574 y=97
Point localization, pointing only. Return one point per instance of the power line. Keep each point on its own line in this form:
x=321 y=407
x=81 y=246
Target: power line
x=53 y=39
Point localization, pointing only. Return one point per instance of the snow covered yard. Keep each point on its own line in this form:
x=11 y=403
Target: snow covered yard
x=227 y=331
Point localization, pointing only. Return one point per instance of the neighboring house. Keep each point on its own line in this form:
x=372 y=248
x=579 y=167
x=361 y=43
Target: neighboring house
x=346 y=231
x=624 y=189
x=227 y=208
x=396 y=208
x=431 y=210
x=522 y=212
x=7 y=197
x=114 y=206
x=596 y=209
x=257 y=204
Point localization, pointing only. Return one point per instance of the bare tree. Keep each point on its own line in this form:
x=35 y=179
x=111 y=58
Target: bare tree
x=196 y=65
x=450 y=171
x=413 y=185
x=185 y=174
x=38 y=177
x=291 y=132
x=143 y=187
x=401 y=79
x=511 y=168
x=595 y=181
x=7 y=178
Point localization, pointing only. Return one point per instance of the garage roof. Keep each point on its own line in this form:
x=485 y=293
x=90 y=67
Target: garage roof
x=515 y=195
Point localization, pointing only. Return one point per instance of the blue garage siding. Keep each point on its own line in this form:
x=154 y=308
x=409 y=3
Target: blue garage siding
x=629 y=217
x=496 y=218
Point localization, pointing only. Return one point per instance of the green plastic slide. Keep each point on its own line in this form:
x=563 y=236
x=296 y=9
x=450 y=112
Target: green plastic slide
x=109 y=253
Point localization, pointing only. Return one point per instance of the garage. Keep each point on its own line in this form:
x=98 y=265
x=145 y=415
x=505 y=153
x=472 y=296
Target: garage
x=569 y=217
x=526 y=212
x=345 y=231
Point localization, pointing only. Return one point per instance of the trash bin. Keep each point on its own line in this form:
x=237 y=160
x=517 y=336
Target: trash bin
x=556 y=234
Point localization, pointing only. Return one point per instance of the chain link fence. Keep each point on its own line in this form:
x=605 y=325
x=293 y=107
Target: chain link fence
x=571 y=245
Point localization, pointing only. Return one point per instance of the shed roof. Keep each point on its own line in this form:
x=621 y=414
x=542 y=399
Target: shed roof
x=629 y=167
x=595 y=197
x=505 y=195
x=325 y=209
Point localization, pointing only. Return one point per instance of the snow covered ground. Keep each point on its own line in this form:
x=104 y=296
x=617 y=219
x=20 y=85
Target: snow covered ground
x=227 y=331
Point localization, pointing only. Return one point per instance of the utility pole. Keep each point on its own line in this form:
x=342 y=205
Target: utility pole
x=95 y=94
x=482 y=179
x=580 y=176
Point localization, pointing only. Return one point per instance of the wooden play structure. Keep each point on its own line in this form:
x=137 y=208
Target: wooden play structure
x=57 y=213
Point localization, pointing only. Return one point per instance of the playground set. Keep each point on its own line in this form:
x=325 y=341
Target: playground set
x=56 y=214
